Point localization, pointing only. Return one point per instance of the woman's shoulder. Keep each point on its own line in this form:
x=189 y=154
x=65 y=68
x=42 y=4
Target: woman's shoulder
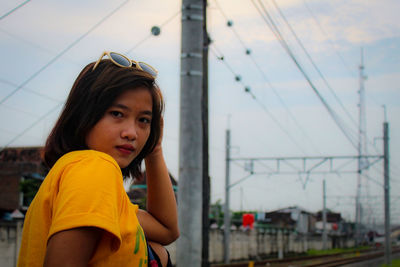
x=85 y=156
x=85 y=163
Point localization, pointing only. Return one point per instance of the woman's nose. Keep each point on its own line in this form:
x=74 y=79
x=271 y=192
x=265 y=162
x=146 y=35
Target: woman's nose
x=129 y=132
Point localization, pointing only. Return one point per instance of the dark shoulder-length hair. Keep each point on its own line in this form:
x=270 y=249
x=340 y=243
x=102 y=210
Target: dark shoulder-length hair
x=93 y=92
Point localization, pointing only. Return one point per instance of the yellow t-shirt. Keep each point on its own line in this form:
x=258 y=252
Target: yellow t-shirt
x=84 y=188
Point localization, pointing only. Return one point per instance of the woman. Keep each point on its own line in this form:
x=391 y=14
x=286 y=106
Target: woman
x=81 y=215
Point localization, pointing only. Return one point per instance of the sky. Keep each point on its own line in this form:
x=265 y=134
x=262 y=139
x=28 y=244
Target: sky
x=44 y=45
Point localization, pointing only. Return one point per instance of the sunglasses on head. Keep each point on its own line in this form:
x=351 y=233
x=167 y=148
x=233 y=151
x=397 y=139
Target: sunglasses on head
x=124 y=62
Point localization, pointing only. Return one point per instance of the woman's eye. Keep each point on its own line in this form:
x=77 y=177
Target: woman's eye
x=145 y=120
x=116 y=114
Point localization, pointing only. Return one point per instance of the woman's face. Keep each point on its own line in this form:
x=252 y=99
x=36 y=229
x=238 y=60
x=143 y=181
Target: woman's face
x=125 y=127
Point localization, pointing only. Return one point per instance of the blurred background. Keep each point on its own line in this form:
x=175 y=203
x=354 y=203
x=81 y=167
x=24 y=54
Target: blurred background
x=284 y=77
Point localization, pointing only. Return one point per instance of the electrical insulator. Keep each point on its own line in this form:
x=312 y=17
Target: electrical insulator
x=155 y=30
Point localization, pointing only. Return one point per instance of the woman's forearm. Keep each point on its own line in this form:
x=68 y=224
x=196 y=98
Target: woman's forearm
x=161 y=202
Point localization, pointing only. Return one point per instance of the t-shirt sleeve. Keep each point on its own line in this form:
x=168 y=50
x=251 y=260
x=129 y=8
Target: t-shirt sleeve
x=89 y=195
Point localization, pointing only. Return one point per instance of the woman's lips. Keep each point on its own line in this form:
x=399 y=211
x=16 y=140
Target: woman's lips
x=126 y=149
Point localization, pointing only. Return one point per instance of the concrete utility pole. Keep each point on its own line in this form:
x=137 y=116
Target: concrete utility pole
x=362 y=150
x=191 y=136
x=206 y=177
x=227 y=222
x=388 y=248
x=324 y=231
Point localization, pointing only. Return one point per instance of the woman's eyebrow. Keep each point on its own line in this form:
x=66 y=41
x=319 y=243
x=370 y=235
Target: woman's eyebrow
x=147 y=112
x=121 y=106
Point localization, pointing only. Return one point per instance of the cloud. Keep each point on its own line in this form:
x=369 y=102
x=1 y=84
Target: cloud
x=345 y=23
x=348 y=24
x=359 y=22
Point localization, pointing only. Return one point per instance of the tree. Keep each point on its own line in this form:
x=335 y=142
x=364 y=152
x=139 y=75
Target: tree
x=29 y=187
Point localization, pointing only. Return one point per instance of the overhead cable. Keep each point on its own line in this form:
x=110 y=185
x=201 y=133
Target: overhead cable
x=265 y=15
x=328 y=38
x=333 y=114
x=14 y=9
x=54 y=59
x=228 y=22
x=317 y=69
x=248 y=90
x=45 y=96
x=31 y=126
x=29 y=90
x=149 y=35
x=28 y=42
x=43 y=68
x=248 y=53
x=369 y=178
x=313 y=63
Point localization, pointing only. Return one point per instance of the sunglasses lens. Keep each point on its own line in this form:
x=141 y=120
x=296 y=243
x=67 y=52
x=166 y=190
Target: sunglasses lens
x=148 y=69
x=121 y=60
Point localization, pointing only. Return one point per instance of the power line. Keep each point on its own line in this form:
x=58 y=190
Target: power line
x=14 y=9
x=34 y=45
x=52 y=52
x=313 y=63
x=315 y=66
x=394 y=169
x=21 y=39
x=29 y=90
x=31 y=126
x=229 y=23
x=43 y=68
x=249 y=53
x=248 y=90
x=380 y=172
x=171 y=18
x=369 y=178
x=318 y=70
x=330 y=41
x=148 y=36
x=19 y=110
x=55 y=58
x=62 y=52
x=280 y=38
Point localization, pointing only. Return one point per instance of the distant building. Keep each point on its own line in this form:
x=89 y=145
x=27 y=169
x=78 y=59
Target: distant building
x=292 y=218
x=17 y=165
x=333 y=220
